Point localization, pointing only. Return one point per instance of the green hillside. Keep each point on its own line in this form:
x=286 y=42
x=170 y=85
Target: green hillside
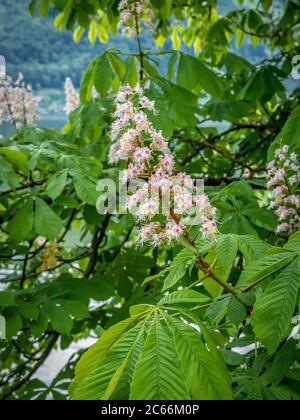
x=34 y=47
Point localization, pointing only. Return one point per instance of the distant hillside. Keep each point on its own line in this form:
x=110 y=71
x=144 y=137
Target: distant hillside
x=46 y=57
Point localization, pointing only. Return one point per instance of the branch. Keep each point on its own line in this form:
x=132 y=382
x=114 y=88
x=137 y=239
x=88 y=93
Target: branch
x=118 y=250
x=99 y=235
x=141 y=53
x=17 y=385
x=22 y=187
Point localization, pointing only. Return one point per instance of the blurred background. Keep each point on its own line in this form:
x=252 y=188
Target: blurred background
x=47 y=57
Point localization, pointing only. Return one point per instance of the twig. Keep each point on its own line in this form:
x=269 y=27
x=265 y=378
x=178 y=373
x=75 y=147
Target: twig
x=17 y=385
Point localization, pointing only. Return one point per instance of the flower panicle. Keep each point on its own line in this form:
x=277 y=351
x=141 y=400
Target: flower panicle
x=283 y=184
x=18 y=106
x=133 y=14
x=72 y=96
x=149 y=158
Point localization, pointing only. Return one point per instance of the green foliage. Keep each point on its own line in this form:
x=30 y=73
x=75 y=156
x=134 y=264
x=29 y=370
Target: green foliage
x=275 y=307
x=157 y=347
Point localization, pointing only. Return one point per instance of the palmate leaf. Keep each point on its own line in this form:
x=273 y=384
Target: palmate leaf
x=205 y=373
x=142 y=358
x=158 y=375
x=87 y=383
x=274 y=308
x=113 y=367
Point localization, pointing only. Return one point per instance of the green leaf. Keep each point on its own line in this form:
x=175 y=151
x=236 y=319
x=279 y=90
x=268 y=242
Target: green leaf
x=282 y=363
x=217 y=311
x=289 y=135
x=61 y=20
x=263 y=85
x=174 y=276
x=158 y=375
x=182 y=104
x=44 y=7
x=8 y=174
x=47 y=223
x=78 y=33
x=274 y=308
x=226 y=251
x=32 y=6
x=192 y=71
x=117 y=65
x=27 y=310
x=88 y=370
x=59 y=318
x=175 y=38
x=227 y=109
x=252 y=248
x=240 y=36
x=85 y=189
x=254 y=20
x=139 y=309
x=102 y=33
x=232 y=358
x=185 y=296
x=261 y=217
x=105 y=379
x=16 y=158
x=166 y=8
x=131 y=75
x=56 y=184
x=77 y=309
x=39 y=326
x=205 y=373
x=236 y=312
x=6 y=299
x=267 y=4
x=92 y=35
x=87 y=83
x=22 y=223
x=260 y=270
x=122 y=355
x=187 y=75
x=293 y=243
x=103 y=74
x=13 y=322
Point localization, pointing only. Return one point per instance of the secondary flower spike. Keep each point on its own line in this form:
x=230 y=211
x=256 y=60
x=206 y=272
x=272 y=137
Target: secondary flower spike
x=149 y=158
x=17 y=103
x=72 y=96
x=132 y=14
x=283 y=182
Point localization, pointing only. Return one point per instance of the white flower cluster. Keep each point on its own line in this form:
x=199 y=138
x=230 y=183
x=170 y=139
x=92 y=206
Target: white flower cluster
x=283 y=182
x=132 y=14
x=17 y=103
x=149 y=158
x=72 y=96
